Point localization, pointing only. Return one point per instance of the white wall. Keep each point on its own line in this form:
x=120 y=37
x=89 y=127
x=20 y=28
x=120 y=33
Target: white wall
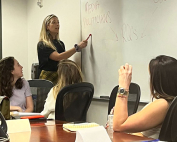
x=22 y=22
x=14 y=32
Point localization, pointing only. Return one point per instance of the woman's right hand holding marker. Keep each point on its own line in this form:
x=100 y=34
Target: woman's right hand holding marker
x=82 y=44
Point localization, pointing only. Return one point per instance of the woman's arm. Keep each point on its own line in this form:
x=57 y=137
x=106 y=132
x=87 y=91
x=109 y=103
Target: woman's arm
x=60 y=56
x=149 y=117
x=29 y=104
x=125 y=76
x=16 y=108
x=49 y=105
x=65 y=55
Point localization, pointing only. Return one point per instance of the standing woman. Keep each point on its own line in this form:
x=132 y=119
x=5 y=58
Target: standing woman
x=51 y=49
x=13 y=86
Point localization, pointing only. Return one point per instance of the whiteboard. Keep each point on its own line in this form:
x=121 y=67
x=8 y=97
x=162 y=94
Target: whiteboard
x=126 y=31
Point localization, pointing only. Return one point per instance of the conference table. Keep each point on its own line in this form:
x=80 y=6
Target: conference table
x=52 y=131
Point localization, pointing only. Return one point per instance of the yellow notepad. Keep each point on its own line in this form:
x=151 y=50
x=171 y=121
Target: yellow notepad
x=75 y=127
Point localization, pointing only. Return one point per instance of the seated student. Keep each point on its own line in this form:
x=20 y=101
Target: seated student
x=68 y=73
x=163 y=87
x=13 y=86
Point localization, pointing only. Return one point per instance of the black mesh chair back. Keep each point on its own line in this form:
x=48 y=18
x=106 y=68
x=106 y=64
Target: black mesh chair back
x=39 y=88
x=133 y=98
x=73 y=102
x=169 y=127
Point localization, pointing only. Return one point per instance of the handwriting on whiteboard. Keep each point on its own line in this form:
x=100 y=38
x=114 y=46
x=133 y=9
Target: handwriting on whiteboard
x=97 y=19
x=93 y=17
x=159 y=1
x=126 y=34
x=129 y=33
x=96 y=13
x=91 y=7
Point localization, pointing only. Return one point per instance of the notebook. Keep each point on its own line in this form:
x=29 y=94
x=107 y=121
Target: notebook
x=74 y=127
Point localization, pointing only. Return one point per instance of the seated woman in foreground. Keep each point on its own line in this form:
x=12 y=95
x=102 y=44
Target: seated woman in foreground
x=68 y=73
x=163 y=87
x=14 y=87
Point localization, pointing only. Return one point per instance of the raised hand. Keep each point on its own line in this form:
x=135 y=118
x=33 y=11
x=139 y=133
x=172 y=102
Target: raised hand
x=125 y=76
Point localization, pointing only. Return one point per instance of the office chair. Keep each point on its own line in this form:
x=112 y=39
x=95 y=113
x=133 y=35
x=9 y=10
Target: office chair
x=168 y=131
x=35 y=71
x=73 y=101
x=3 y=129
x=39 y=88
x=133 y=98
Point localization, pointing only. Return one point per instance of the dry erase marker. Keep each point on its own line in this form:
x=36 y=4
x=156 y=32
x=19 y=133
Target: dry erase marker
x=89 y=36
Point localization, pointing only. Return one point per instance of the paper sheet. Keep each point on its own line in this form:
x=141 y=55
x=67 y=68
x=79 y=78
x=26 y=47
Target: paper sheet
x=75 y=127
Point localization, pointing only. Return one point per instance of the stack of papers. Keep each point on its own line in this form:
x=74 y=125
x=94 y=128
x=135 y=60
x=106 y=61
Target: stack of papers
x=16 y=113
x=78 y=126
x=26 y=115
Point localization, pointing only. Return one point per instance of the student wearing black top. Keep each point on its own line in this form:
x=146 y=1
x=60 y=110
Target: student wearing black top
x=51 y=49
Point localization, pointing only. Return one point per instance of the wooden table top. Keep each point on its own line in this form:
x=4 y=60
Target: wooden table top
x=52 y=131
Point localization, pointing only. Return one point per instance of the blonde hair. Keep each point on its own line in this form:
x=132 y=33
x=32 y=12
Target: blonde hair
x=68 y=73
x=45 y=35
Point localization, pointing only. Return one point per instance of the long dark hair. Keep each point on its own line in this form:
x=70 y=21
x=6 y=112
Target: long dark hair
x=163 y=77
x=6 y=77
